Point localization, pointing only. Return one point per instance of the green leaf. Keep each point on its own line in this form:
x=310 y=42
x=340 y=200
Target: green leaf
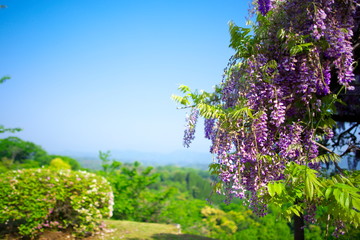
x=298 y=193
x=214 y=168
x=278 y=188
x=295 y=50
x=238 y=113
x=12 y=130
x=300 y=48
x=328 y=157
x=347 y=188
x=342 y=199
x=240 y=40
x=328 y=192
x=271 y=189
x=184 y=89
x=3 y=79
x=270 y=64
x=181 y=100
x=309 y=188
x=281 y=34
x=347 y=201
x=294 y=210
x=356 y=203
x=336 y=194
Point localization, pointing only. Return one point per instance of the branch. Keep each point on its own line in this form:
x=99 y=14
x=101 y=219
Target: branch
x=351 y=148
x=339 y=168
x=323 y=147
x=344 y=118
x=191 y=106
x=335 y=163
x=343 y=133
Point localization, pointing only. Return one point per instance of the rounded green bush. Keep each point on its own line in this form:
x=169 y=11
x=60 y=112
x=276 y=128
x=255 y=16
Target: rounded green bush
x=32 y=200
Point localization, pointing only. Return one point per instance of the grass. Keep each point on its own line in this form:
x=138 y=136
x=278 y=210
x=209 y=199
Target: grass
x=124 y=230
x=141 y=231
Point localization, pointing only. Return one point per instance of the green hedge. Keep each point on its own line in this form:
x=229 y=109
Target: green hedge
x=32 y=200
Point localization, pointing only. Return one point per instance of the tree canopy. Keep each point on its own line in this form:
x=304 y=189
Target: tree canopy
x=18 y=150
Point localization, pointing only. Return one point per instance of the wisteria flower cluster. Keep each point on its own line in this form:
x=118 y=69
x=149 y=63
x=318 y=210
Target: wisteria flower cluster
x=33 y=200
x=189 y=133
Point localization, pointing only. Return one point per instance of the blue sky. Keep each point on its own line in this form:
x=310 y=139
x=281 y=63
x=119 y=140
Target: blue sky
x=98 y=75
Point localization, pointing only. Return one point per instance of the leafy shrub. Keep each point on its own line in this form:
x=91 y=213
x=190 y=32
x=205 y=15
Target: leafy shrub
x=75 y=165
x=33 y=200
x=58 y=163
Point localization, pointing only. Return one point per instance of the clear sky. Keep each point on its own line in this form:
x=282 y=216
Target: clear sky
x=98 y=75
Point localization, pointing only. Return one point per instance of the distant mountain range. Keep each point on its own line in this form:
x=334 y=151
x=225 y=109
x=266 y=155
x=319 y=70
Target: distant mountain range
x=177 y=158
x=199 y=160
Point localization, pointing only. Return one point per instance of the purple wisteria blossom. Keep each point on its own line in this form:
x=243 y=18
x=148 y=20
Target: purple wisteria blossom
x=189 y=133
x=253 y=151
x=264 y=6
x=209 y=128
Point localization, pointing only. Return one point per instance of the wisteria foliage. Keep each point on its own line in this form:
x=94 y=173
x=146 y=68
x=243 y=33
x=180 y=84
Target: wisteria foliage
x=275 y=103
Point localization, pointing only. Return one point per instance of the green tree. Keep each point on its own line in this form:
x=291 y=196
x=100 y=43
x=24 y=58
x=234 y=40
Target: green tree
x=186 y=212
x=16 y=150
x=133 y=199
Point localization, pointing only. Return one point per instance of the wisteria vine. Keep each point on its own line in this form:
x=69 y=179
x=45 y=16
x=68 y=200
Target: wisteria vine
x=276 y=97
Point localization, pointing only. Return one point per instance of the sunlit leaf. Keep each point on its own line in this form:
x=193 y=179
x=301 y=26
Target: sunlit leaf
x=328 y=192
x=271 y=189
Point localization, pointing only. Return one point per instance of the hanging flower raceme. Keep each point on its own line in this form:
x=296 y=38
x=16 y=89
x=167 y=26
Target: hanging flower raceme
x=189 y=133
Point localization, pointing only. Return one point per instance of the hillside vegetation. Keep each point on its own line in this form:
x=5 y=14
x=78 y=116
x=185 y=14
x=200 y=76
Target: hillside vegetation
x=148 y=203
